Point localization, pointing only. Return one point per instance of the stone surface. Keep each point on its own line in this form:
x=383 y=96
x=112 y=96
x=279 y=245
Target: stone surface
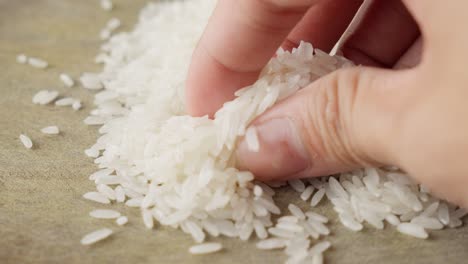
x=42 y=214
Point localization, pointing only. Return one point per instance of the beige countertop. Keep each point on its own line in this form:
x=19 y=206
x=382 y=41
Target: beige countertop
x=42 y=214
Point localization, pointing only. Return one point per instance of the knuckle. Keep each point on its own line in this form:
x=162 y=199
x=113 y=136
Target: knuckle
x=331 y=117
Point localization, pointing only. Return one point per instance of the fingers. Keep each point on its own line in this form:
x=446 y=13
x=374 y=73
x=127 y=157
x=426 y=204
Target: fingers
x=238 y=41
x=340 y=122
x=383 y=36
x=323 y=24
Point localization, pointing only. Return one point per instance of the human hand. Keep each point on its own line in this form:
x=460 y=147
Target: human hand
x=362 y=116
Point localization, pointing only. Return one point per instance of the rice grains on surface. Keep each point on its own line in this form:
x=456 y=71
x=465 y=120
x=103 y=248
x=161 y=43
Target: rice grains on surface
x=181 y=171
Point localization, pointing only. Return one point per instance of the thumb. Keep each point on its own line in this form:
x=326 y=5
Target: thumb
x=342 y=121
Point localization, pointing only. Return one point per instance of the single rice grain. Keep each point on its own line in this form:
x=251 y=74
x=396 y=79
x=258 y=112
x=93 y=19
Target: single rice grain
x=251 y=139
x=96 y=236
x=22 y=59
x=104 y=214
x=96 y=197
x=122 y=220
x=67 y=80
x=27 y=142
x=412 y=230
x=38 y=63
x=205 y=248
x=106 y=5
x=50 y=130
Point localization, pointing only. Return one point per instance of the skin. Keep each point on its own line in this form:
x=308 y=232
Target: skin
x=404 y=106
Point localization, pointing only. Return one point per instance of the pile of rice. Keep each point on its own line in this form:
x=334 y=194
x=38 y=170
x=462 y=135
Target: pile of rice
x=180 y=171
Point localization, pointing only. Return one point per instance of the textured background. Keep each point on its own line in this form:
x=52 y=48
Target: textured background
x=42 y=214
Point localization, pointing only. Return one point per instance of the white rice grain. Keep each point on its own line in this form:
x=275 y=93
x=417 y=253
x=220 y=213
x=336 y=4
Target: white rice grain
x=21 y=59
x=319 y=248
x=290 y=227
x=106 y=5
x=205 y=248
x=76 y=105
x=44 y=97
x=260 y=230
x=96 y=236
x=196 y=231
x=134 y=202
x=427 y=222
x=317 y=259
x=50 y=130
x=109 y=180
x=282 y=233
x=37 y=63
x=94 y=121
x=412 y=230
x=337 y=188
x=317 y=197
x=271 y=243
x=26 y=141
x=119 y=194
x=258 y=191
x=106 y=191
x=316 y=217
x=320 y=227
x=443 y=214
x=67 y=80
x=96 y=197
x=121 y=220
x=460 y=213
x=297 y=185
x=431 y=209
x=307 y=193
x=455 y=222
x=104 y=214
x=147 y=218
x=296 y=211
x=251 y=139
x=100 y=173
x=92 y=153
x=91 y=81
x=113 y=24
x=288 y=218
x=210 y=227
x=67 y=101
x=350 y=223
x=104 y=34
x=392 y=219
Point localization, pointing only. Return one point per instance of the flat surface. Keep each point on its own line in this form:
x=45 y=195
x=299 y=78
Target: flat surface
x=42 y=214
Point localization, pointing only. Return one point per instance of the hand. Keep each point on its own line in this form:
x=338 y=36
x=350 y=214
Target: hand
x=357 y=117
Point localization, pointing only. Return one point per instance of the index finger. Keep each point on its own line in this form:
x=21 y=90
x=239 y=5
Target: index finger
x=241 y=36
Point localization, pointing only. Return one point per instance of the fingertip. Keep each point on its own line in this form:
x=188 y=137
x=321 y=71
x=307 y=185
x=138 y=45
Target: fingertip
x=280 y=154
